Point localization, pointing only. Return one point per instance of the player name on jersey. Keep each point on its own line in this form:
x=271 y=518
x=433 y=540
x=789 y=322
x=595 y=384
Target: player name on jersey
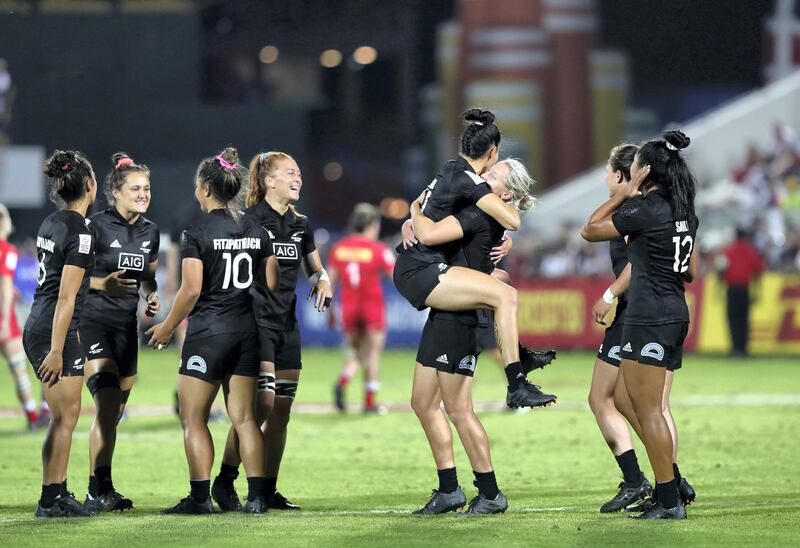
x=235 y=244
x=44 y=243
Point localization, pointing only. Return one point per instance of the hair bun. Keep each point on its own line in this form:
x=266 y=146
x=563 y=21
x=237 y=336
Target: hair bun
x=677 y=139
x=230 y=155
x=474 y=115
x=60 y=163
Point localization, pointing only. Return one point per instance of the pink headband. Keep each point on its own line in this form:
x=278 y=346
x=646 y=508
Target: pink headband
x=65 y=167
x=123 y=162
x=224 y=163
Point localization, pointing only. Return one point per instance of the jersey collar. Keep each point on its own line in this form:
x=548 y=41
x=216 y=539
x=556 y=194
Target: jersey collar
x=268 y=210
x=114 y=213
x=465 y=165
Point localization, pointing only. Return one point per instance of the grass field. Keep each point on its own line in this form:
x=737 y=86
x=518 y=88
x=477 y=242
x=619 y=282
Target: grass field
x=358 y=477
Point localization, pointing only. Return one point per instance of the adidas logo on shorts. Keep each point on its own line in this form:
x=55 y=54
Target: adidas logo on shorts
x=443 y=359
x=627 y=348
x=115 y=243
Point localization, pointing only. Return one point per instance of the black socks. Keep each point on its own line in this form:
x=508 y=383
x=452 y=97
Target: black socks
x=201 y=490
x=271 y=486
x=93 y=492
x=677 y=472
x=49 y=494
x=104 y=483
x=448 y=481
x=667 y=494
x=486 y=484
x=630 y=468
x=514 y=375
x=228 y=473
x=256 y=487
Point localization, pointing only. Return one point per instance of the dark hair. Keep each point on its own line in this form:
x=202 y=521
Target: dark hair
x=479 y=134
x=364 y=215
x=223 y=174
x=670 y=172
x=621 y=158
x=68 y=171
x=123 y=166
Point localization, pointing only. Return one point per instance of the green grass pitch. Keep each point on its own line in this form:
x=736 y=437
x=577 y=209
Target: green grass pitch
x=358 y=477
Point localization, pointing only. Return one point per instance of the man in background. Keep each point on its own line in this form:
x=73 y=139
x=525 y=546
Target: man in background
x=743 y=267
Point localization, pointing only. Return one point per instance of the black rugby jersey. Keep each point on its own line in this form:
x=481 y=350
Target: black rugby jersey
x=291 y=239
x=454 y=188
x=63 y=239
x=120 y=245
x=481 y=234
x=231 y=254
x=619 y=260
x=659 y=250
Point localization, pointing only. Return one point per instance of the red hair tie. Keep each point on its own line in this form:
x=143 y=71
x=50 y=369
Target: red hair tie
x=123 y=162
x=65 y=167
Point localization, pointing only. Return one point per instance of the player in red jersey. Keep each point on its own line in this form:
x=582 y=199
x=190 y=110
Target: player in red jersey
x=356 y=263
x=10 y=334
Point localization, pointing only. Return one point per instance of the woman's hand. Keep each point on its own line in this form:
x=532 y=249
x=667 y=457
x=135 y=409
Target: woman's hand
x=324 y=295
x=160 y=335
x=407 y=231
x=153 y=305
x=631 y=190
x=119 y=287
x=501 y=250
x=50 y=369
x=600 y=311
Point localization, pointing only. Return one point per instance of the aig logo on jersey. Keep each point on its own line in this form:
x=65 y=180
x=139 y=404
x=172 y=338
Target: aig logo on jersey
x=131 y=261
x=285 y=251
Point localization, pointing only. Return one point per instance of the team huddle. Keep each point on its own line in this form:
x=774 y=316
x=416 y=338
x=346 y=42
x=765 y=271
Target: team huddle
x=239 y=273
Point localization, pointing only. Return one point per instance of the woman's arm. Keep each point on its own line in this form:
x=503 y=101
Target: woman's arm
x=604 y=303
x=434 y=233
x=505 y=213
x=71 y=278
x=319 y=279
x=691 y=274
x=599 y=227
x=185 y=299
x=149 y=290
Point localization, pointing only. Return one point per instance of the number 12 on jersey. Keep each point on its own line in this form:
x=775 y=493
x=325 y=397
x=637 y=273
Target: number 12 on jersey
x=682 y=264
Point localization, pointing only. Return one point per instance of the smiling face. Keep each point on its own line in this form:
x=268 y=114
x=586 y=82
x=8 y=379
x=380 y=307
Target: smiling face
x=285 y=181
x=614 y=180
x=134 y=194
x=496 y=177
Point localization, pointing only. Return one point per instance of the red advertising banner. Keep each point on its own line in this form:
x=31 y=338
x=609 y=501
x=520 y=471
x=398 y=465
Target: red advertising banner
x=558 y=313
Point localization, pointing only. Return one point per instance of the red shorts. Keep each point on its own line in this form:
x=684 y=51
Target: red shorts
x=360 y=316
x=14 y=332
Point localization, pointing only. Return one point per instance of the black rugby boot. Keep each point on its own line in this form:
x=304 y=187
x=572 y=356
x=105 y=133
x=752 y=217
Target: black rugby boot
x=628 y=494
x=659 y=512
x=686 y=492
x=64 y=506
x=224 y=494
x=190 y=506
x=441 y=503
x=256 y=506
x=528 y=395
x=481 y=505
x=107 y=502
x=535 y=359
x=279 y=502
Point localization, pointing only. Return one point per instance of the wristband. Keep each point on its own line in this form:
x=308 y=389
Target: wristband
x=608 y=296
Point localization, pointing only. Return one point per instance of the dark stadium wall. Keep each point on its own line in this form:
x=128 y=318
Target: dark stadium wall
x=108 y=82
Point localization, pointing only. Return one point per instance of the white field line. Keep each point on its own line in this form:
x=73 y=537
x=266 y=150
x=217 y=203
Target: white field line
x=710 y=400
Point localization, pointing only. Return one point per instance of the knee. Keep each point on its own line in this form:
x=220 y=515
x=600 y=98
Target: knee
x=279 y=416
x=422 y=406
x=460 y=414
x=596 y=402
x=509 y=297
x=66 y=417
